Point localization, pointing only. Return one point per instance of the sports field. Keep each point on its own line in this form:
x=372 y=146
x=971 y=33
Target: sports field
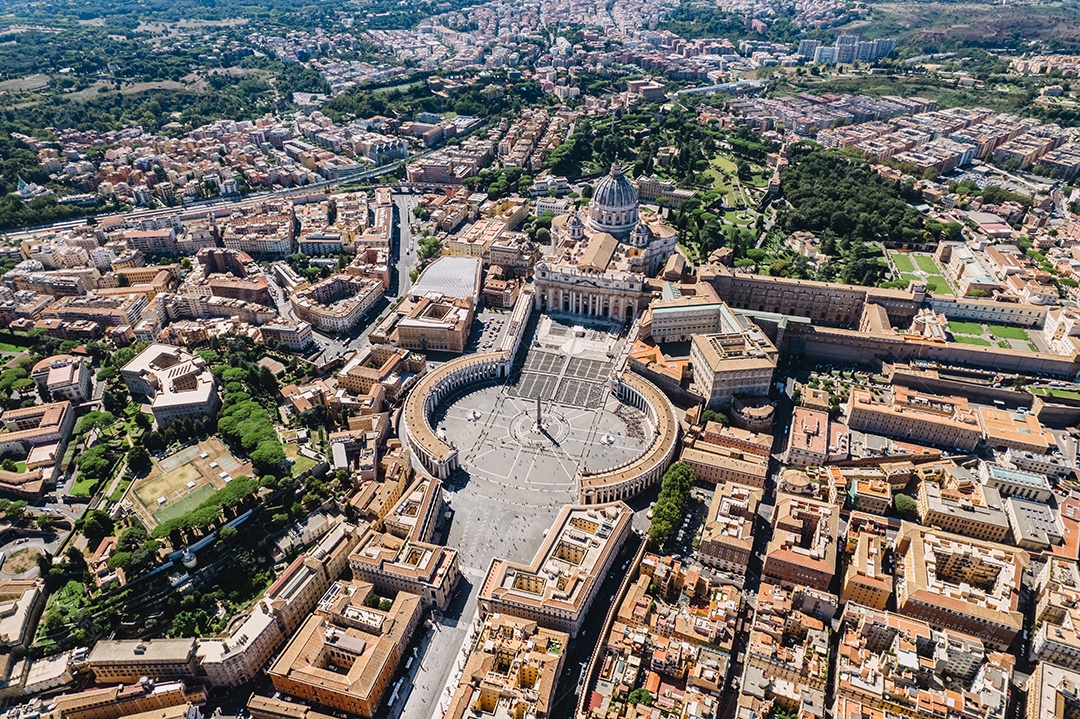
x=183 y=481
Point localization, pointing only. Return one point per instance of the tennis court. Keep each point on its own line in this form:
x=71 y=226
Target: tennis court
x=179 y=459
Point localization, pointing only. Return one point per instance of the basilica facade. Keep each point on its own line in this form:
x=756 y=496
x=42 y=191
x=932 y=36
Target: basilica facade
x=598 y=266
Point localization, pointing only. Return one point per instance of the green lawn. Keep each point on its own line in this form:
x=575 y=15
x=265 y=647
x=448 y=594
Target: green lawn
x=118 y=492
x=971 y=341
x=185 y=504
x=1032 y=347
x=938 y=285
x=1003 y=345
x=84 y=488
x=301 y=463
x=903 y=262
x=1008 y=333
x=965 y=328
x=1051 y=392
x=5 y=347
x=927 y=264
x=732 y=216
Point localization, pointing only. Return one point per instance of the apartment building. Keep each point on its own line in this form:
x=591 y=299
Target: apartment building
x=1023 y=432
x=337 y=304
x=870 y=494
x=557 y=588
x=177 y=383
x=123 y=700
x=788 y=639
x=1035 y=526
x=38 y=433
x=959 y=584
x=865 y=580
x=803 y=549
x=918 y=417
x=727 y=538
x=953 y=500
x=295 y=336
x=114 y=311
x=115 y=661
x=264 y=230
x=391 y=563
x=374 y=365
x=1052 y=693
x=949 y=675
x=63 y=377
x=344 y=656
x=151 y=242
x=1015 y=483
x=814 y=439
x=719 y=464
x=672 y=630
x=430 y=322
x=1056 y=598
x=512 y=670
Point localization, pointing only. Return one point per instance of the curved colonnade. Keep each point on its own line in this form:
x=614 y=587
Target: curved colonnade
x=627 y=480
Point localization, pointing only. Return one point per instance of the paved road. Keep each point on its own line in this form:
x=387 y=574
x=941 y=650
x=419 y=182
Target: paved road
x=404 y=251
x=482 y=528
x=49 y=545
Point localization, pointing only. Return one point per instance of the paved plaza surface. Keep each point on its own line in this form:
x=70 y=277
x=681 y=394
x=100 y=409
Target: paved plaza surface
x=515 y=477
x=564 y=378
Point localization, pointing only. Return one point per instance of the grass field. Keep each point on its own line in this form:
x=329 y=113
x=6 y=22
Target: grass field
x=903 y=261
x=23 y=84
x=301 y=463
x=927 y=264
x=965 y=328
x=971 y=341
x=185 y=504
x=1008 y=333
x=938 y=285
x=911 y=268
x=184 y=480
x=83 y=487
x=1051 y=392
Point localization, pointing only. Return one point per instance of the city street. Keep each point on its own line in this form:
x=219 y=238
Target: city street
x=403 y=253
x=482 y=528
x=402 y=258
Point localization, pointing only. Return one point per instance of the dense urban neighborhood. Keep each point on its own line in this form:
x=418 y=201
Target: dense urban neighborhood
x=539 y=360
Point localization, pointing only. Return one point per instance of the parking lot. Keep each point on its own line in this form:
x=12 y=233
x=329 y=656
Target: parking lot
x=489 y=325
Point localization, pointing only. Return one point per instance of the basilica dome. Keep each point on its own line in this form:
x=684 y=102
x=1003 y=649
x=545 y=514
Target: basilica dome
x=614 y=206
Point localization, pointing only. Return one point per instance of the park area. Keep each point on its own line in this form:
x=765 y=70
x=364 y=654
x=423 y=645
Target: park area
x=920 y=267
x=181 y=482
x=724 y=172
x=1003 y=336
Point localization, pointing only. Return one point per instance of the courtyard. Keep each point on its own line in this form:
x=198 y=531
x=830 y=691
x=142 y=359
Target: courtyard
x=920 y=267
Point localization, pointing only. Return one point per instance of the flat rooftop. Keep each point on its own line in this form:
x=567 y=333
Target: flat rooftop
x=455 y=277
